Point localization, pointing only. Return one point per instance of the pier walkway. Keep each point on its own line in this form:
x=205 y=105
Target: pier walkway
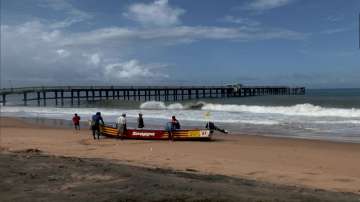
x=75 y=94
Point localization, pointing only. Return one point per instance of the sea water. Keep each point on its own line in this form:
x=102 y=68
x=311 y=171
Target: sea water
x=331 y=114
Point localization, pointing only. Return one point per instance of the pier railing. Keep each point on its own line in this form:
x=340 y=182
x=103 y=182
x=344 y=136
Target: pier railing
x=166 y=93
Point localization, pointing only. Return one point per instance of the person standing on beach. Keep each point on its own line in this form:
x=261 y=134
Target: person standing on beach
x=171 y=126
x=175 y=123
x=140 y=121
x=121 y=125
x=95 y=124
x=76 y=121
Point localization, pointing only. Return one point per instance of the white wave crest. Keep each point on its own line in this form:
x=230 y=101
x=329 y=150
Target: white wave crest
x=354 y=122
x=153 y=105
x=295 y=110
x=160 y=105
x=175 y=106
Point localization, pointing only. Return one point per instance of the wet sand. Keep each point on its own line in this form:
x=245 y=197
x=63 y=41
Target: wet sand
x=305 y=164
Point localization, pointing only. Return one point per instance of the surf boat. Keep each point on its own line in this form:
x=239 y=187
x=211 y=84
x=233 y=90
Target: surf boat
x=157 y=134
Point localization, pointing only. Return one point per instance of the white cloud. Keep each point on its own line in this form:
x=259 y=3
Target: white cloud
x=180 y=34
x=37 y=46
x=31 y=52
x=50 y=36
x=67 y=22
x=132 y=69
x=98 y=35
x=62 y=52
x=74 y=15
x=95 y=59
x=262 y=5
x=158 y=13
x=240 y=21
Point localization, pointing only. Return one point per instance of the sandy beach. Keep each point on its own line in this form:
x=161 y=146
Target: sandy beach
x=309 y=164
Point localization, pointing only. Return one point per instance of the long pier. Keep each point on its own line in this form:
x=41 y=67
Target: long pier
x=76 y=94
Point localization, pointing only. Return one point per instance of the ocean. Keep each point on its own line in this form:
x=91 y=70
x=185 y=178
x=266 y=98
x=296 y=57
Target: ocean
x=325 y=114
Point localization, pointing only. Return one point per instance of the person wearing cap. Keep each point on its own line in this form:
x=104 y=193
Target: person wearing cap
x=140 y=121
x=121 y=125
x=95 y=124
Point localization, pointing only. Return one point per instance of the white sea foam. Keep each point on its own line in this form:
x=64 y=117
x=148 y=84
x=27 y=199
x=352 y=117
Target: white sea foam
x=153 y=105
x=299 y=120
x=295 y=110
x=354 y=122
x=323 y=123
x=147 y=109
x=175 y=106
x=160 y=105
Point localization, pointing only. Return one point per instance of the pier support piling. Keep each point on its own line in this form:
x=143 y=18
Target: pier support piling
x=72 y=97
x=4 y=99
x=44 y=97
x=56 y=97
x=25 y=98
x=38 y=98
x=78 y=97
x=62 y=98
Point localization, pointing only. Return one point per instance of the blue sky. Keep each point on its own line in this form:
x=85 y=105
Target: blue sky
x=262 y=42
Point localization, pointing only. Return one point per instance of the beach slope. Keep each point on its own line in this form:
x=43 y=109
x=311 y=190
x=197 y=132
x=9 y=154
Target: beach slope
x=286 y=163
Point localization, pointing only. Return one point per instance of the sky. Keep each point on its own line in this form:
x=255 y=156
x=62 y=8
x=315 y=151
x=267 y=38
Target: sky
x=312 y=43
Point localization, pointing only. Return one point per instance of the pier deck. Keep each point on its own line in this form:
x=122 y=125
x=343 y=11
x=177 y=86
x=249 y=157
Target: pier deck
x=139 y=93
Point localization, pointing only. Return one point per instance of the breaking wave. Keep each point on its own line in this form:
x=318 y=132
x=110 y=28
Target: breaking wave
x=295 y=110
x=301 y=120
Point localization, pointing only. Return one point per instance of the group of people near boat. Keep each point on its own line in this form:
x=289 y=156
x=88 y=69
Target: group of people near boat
x=121 y=124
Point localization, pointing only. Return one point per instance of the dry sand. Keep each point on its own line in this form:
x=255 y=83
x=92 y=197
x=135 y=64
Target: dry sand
x=307 y=163
x=30 y=175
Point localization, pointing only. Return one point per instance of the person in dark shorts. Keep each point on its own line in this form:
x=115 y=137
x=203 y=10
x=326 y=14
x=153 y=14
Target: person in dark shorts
x=171 y=126
x=76 y=121
x=140 y=121
x=95 y=124
x=175 y=123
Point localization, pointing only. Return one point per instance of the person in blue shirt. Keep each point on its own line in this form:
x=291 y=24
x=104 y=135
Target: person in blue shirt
x=95 y=124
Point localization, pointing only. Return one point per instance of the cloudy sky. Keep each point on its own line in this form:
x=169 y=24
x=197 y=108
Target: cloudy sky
x=77 y=42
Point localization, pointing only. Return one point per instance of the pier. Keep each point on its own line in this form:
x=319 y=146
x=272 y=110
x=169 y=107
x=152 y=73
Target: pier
x=76 y=94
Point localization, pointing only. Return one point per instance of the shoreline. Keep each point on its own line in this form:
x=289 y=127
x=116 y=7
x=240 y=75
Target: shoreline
x=316 y=164
x=300 y=120
x=67 y=124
